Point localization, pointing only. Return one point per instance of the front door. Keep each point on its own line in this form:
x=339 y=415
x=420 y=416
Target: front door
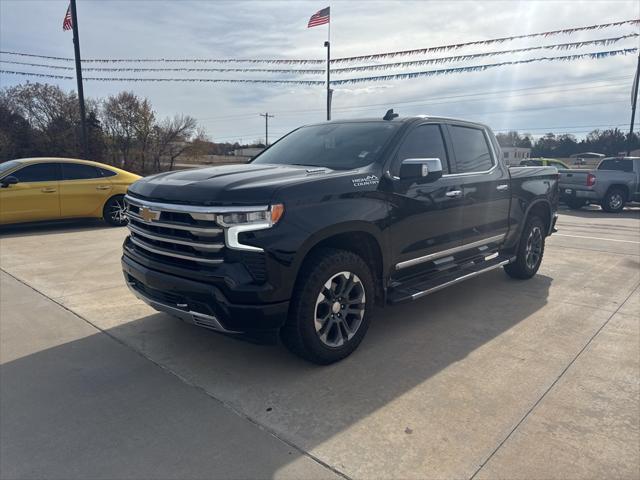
x=426 y=217
x=486 y=186
x=83 y=191
x=35 y=197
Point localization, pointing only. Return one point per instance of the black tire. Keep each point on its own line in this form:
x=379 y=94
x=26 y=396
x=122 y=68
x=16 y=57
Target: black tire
x=113 y=211
x=575 y=203
x=614 y=200
x=303 y=331
x=530 y=250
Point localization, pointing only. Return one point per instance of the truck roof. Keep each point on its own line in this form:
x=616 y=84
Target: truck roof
x=411 y=119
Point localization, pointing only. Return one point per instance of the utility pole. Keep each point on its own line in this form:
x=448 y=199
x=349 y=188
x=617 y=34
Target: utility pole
x=76 y=48
x=266 y=127
x=634 y=101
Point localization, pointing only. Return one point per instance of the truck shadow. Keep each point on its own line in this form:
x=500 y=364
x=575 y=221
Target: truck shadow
x=44 y=228
x=594 y=211
x=302 y=403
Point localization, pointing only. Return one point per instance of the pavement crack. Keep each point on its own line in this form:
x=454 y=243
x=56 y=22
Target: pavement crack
x=553 y=384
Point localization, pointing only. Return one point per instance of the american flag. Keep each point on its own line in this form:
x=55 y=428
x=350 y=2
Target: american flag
x=67 y=23
x=319 y=18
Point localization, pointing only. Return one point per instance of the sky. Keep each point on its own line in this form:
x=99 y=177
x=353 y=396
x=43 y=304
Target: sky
x=563 y=97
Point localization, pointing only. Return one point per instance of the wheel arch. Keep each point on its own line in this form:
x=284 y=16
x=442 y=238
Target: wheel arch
x=360 y=238
x=619 y=186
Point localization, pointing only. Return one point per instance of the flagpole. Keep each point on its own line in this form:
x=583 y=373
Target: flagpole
x=634 y=101
x=76 y=49
x=328 y=45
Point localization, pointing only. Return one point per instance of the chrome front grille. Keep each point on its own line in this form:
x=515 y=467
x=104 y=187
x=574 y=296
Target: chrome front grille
x=183 y=234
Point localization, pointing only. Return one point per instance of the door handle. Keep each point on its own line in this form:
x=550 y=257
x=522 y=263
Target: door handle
x=48 y=190
x=104 y=187
x=502 y=187
x=454 y=193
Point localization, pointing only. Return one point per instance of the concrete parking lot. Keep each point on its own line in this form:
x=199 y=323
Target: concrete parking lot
x=492 y=378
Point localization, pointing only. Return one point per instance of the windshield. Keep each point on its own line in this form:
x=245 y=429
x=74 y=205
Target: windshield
x=339 y=146
x=6 y=166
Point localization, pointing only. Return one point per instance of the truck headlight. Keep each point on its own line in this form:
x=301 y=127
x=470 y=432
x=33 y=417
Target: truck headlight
x=271 y=216
x=238 y=222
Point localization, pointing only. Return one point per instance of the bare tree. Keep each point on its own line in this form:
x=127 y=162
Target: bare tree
x=128 y=120
x=171 y=139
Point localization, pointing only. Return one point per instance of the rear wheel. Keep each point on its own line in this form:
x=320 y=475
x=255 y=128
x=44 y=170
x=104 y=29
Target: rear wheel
x=530 y=250
x=115 y=211
x=613 y=201
x=331 y=307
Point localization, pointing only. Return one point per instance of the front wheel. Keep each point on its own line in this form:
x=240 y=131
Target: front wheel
x=331 y=306
x=115 y=211
x=530 y=250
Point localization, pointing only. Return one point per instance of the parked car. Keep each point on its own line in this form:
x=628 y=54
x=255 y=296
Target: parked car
x=614 y=183
x=36 y=189
x=329 y=220
x=544 y=162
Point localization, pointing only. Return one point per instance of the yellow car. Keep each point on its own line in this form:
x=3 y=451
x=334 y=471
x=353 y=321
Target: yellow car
x=35 y=189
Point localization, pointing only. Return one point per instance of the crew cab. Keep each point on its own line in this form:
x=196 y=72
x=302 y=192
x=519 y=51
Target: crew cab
x=330 y=220
x=613 y=184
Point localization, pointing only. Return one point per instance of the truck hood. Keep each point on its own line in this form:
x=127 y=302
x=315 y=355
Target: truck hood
x=248 y=184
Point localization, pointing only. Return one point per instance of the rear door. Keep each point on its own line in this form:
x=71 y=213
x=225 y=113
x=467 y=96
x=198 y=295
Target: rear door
x=426 y=217
x=83 y=191
x=485 y=181
x=35 y=197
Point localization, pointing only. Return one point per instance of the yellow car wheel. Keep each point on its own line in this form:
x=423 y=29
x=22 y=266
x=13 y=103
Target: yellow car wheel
x=115 y=211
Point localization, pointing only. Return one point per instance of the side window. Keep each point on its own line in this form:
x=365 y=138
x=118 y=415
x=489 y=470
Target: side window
x=106 y=173
x=76 y=171
x=472 y=149
x=616 y=164
x=39 y=172
x=425 y=141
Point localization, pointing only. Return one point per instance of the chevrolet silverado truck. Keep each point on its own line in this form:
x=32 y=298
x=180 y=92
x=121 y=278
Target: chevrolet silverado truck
x=331 y=220
x=612 y=185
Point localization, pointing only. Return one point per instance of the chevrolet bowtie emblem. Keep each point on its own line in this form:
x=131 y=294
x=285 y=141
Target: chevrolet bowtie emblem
x=149 y=215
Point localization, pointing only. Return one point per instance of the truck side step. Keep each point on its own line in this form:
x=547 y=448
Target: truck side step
x=413 y=291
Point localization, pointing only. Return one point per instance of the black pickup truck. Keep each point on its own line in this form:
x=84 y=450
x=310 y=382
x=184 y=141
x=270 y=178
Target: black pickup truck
x=332 y=219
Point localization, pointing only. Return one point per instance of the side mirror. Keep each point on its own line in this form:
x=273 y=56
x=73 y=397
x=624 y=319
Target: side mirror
x=8 y=181
x=425 y=169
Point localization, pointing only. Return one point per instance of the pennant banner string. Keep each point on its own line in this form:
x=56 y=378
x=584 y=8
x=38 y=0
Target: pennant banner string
x=382 y=66
x=478 y=68
x=399 y=76
x=419 y=51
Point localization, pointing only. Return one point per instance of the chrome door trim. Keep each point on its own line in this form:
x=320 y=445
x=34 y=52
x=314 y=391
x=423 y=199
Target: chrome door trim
x=450 y=251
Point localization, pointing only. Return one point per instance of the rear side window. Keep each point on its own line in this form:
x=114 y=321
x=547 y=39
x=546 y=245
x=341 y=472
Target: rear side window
x=472 y=149
x=39 y=172
x=76 y=171
x=616 y=164
x=425 y=141
x=106 y=173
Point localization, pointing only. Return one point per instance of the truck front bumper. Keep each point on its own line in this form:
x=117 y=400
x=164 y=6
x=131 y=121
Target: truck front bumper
x=203 y=304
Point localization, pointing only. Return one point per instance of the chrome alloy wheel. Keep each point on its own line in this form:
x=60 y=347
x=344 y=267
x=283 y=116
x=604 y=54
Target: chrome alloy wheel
x=533 y=251
x=118 y=211
x=615 y=200
x=340 y=309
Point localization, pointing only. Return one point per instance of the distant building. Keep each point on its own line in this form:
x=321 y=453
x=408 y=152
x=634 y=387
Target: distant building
x=514 y=155
x=248 y=152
